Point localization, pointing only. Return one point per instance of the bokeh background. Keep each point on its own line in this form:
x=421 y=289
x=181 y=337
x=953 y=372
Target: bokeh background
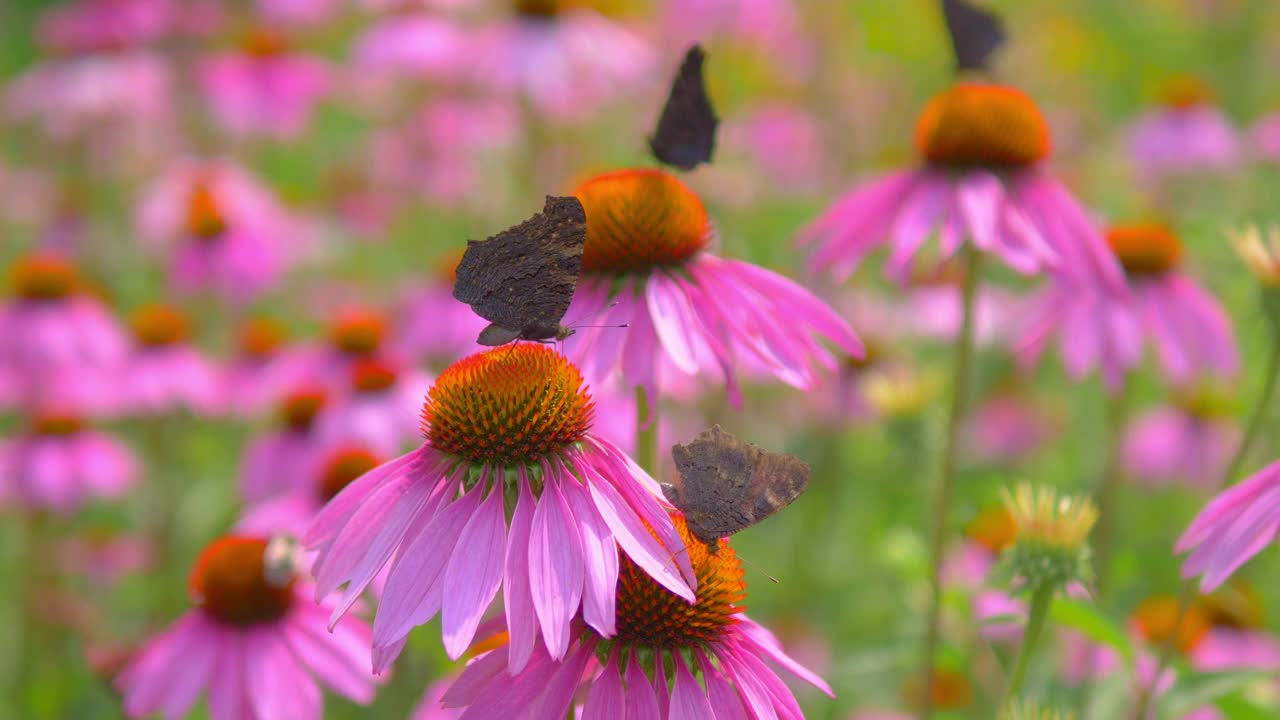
x=850 y=557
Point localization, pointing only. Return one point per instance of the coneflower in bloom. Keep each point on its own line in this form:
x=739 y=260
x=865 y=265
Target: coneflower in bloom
x=279 y=460
x=413 y=44
x=88 y=26
x=354 y=335
x=254 y=641
x=57 y=342
x=435 y=326
x=646 y=265
x=260 y=373
x=982 y=180
x=165 y=372
x=1189 y=330
x=1237 y=637
x=1008 y=426
x=265 y=87
x=1189 y=440
x=1236 y=525
x=380 y=406
x=508 y=433
x=327 y=473
x=649 y=664
x=1186 y=133
x=58 y=462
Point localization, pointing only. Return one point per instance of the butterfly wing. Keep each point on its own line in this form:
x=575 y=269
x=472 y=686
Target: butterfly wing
x=975 y=33
x=686 y=133
x=522 y=279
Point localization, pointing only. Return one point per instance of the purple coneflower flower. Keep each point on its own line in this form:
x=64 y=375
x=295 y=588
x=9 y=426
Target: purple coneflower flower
x=435 y=326
x=417 y=45
x=1237 y=638
x=1186 y=133
x=648 y=664
x=1007 y=426
x=646 y=265
x=354 y=335
x=264 y=88
x=105 y=25
x=983 y=180
x=1188 y=441
x=1266 y=136
x=327 y=474
x=165 y=372
x=1233 y=527
x=57 y=463
x=279 y=460
x=298 y=13
x=254 y=641
x=508 y=433
x=380 y=407
x=261 y=373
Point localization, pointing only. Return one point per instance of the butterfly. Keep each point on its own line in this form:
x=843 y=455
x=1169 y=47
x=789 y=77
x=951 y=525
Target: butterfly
x=975 y=34
x=522 y=279
x=725 y=484
x=686 y=133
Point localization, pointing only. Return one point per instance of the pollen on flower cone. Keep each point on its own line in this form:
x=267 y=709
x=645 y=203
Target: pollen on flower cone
x=229 y=582
x=358 y=332
x=650 y=616
x=43 y=277
x=157 y=325
x=640 y=219
x=992 y=126
x=344 y=466
x=261 y=337
x=1145 y=248
x=509 y=405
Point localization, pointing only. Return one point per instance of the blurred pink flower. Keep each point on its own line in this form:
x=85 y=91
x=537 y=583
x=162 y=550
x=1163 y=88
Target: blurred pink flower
x=436 y=327
x=264 y=88
x=1190 y=331
x=57 y=463
x=968 y=563
x=771 y=25
x=282 y=459
x=441 y=510
x=773 y=151
x=431 y=706
x=1266 y=137
x=566 y=65
x=647 y=268
x=982 y=180
x=254 y=640
x=262 y=371
x=380 y=406
x=327 y=473
x=414 y=45
x=1187 y=133
x=105 y=25
x=1186 y=442
x=354 y=334
x=102 y=555
x=1007 y=427
x=220 y=228
x=1233 y=527
x=297 y=13
x=165 y=372
x=1000 y=617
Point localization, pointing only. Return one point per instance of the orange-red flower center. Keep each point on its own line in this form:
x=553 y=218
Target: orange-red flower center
x=1184 y=92
x=229 y=582
x=951 y=690
x=205 y=221
x=509 y=405
x=638 y=220
x=57 y=424
x=1157 y=617
x=542 y=8
x=371 y=376
x=1145 y=248
x=342 y=468
x=261 y=337
x=1237 y=605
x=651 y=616
x=43 y=277
x=993 y=528
x=159 y=325
x=992 y=126
x=298 y=409
x=264 y=42
x=358 y=332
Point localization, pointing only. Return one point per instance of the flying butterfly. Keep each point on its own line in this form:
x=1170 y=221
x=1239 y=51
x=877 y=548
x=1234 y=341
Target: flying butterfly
x=975 y=34
x=725 y=484
x=686 y=133
x=522 y=279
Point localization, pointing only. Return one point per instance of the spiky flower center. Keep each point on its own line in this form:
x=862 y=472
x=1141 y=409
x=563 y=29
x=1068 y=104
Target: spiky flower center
x=507 y=406
x=1184 y=92
x=371 y=376
x=229 y=582
x=1236 y=605
x=205 y=221
x=43 y=277
x=651 y=617
x=1043 y=517
x=545 y=9
x=298 y=409
x=358 y=332
x=1156 y=618
x=159 y=325
x=261 y=337
x=951 y=690
x=993 y=528
x=978 y=124
x=342 y=468
x=1145 y=249
x=638 y=220
x=263 y=42
x=57 y=424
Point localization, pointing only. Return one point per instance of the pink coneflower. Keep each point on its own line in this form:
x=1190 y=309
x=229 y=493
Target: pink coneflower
x=220 y=227
x=414 y=45
x=254 y=640
x=57 y=463
x=1189 y=441
x=710 y=637
x=264 y=88
x=103 y=555
x=969 y=564
x=1190 y=331
x=771 y=25
x=775 y=150
x=300 y=13
x=1187 y=133
x=354 y=334
x=436 y=327
x=57 y=342
x=1237 y=638
x=280 y=460
x=1233 y=527
x=563 y=56
x=1266 y=136
x=646 y=265
x=381 y=406
x=328 y=473
x=165 y=372
x=105 y=25
x=431 y=707
x=512 y=422
x=982 y=178
x=1008 y=426
x=261 y=372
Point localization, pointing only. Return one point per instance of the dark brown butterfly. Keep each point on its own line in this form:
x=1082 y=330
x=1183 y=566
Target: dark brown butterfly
x=725 y=484
x=686 y=134
x=522 y=279
x=975 y=34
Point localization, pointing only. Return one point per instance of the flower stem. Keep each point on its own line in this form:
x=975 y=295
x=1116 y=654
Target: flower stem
x=646 y=432
x=1188 y=593
x=1109 y=485
x=1041 y=600
x=946 y=478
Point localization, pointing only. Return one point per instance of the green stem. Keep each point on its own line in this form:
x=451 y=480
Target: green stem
x=1188 y=592
x=1109 y=485
x=646 y=433
x=1041 y=600
x=946 y=477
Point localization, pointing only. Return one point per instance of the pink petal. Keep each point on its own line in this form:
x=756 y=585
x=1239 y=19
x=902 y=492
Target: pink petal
x=601 y=555
x=688 y=701
x=278 y=688
x=472 y=578
x=556 y=572
x=522 y=619
x=642 y=701
x=605 y=699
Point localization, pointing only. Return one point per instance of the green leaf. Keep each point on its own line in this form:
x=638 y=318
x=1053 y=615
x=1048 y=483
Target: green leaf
x=1196 y=690
x=1090 y=621
x=1235 y=707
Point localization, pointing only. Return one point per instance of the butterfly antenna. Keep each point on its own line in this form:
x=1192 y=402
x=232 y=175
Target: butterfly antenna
x=758 y=569
x=715 y=549
x=610 y=306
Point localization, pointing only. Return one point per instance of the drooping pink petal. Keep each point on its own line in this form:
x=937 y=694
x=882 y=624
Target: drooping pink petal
x=606 y=698
x=642 y=702
x=278 y=689
x=473 y=575
x=600 y=553
x=688 y=701
x=522 y=619
x=556 y=572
